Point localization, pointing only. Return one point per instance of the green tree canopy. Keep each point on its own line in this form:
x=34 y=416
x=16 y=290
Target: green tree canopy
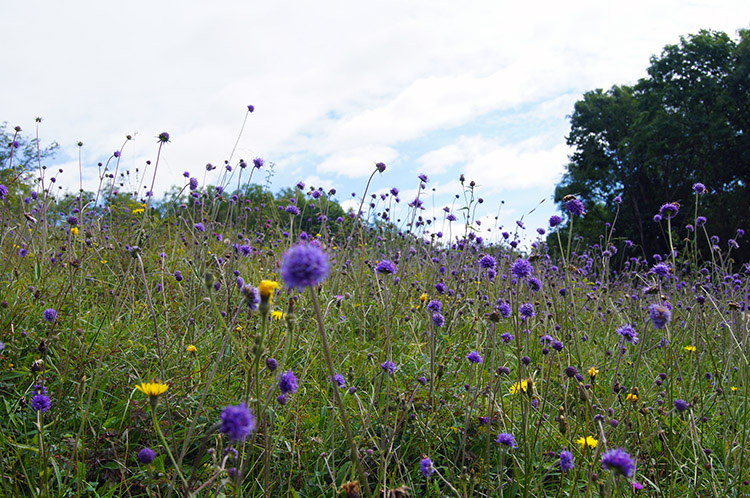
x=686 y=122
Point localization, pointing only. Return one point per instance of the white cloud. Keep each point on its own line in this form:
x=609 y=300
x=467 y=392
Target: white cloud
x=357 y=162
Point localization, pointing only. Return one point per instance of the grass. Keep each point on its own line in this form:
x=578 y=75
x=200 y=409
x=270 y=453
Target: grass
x=676 y=400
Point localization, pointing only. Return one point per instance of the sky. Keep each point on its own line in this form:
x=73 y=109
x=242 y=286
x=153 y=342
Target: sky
x=441 y=88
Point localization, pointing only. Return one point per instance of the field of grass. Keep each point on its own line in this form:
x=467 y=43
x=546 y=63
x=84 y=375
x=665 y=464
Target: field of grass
x=149 y=352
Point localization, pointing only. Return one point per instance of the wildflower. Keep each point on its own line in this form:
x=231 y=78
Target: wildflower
x=593 y=372
x=386 y=267
x=474 y=357
x=522 y=269
x=519 y=386
x=566 y=461
x=380 y=167
x=192 y=349
x=587 y=442
x=571 y=371
x=699 y=188
x=278 y=315
x=252 y=297
x=680 y=405
x=237 y=422
x=438 y=319
x=690 y=349
x=619 y=461
x=575 y=207
x=178 y=276
x=700 y=221
x=288 y=383
x=272 y=364
x=527 y=311
x=163 y=137
x=41 y=402
x=632 y=397
x=146 y=456
x=258 y=162
x=534 y=284
x=153 y=390
x=304 y=265
x=389 y=367
x=266 y=289
x=3 y=191
x=339 y=380
x=628 y=333
x=669 y=210
x=50 y=315
x=555 y=220
x=507 y=337
x=661 y=314
x=426 y=467
x=506 y=439
x=423 y=297
x=487 y=261
x=435 y=306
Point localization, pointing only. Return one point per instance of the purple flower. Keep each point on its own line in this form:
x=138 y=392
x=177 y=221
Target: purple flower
x=575 y=207
x=426 y=467
x=681 y=405
x=50 y=315
x=661 y=314
x=474 y=357
x=438 y=319
x=566 y=461
x=288 y=383
x=339 y=380
x=506 y=439
x=252 y=296
x=146 y=456
x=424 y=178
x=292 y=209
x=41 y=402
x=504 y=310
x=237 y=422
x=193 y=183
x=522 y=268
x=3 y=191
x=272 y=364
x=389 y=367
x=178 y=276
x=435 y=306
x=534 y=284
x=72 y=220
x=304 y=265
x=199 y=226
x=258 y=163
x=628 y=333
x=619 y=461
x=700 y=221
x=527 y=311
x=487 y=262
x=386 y=267
x=380 y=167
x=571 y=371
x=554 y=220
x=669 y=210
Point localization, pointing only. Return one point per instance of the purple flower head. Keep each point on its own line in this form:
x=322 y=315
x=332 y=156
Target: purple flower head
x=146 y=456
x=178 y=276
x=628 y=333
x=617 y=199
x=438 y=319
x=72 y=220
x=504 y=310
x=426 y=467
x=506 y=439
x=292 y=209
x=3 y=191
x=435 y=306
x=339 y=380
x=451 y=217
x=193 y=183
x=575 y=207
x=534 y=284
x=700 y=221
x=50 y=315
x=272 y=364
x=41 y=402
x=288 y=383
x=657 y=218
x=258 y=163
x=474 y=357
x=661 y=269
x=566 y=461
x=571 y=371
x=620 y=461
x=661 y=314
x=424 y=178
x=681 y=405
x=389 y=367
x=669 y=210
x=380 y=167
x=507 y=337
x=251 y=296
x=304 y=265
x=555 y=220
x=487 y=262
x=386 y=267
x=199 y=226
x=522 y=268
x=699 y=188
x=237 y=422
x=527 y=311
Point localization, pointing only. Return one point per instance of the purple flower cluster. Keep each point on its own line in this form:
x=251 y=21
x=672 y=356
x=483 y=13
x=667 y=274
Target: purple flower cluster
x=304 y=265
x=237 y=422
x=618 y=460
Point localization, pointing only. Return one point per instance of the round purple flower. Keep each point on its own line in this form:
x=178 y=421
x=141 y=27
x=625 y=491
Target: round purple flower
x=522 y=268
x=681 y=405
x=438 y=319
x=50 y=315
x=292 y=209
x=304 y=265
x=435 y=306
x=566 y=461
x=700 y=221
x=3 y=191
x=527 y=311
x=339 y=380
x=272 y=364
x=288 y=383
x=554 y=220
x=258 y=163
x=669 y=210
x=575 y=207
x=380 y=167
x=506 y=439
x=619 y=461
x=699 y=188
x=661 y=314
x=487 y=261
x=237 y=422
x=193 y=183
x=389 y=367
x=72 y=220
x=628 y=333
x=178 y=276
x=386 y=267
x=534 y=284
x=41 y=402
x=146 y=456
x=426 y=467
x=474 y=357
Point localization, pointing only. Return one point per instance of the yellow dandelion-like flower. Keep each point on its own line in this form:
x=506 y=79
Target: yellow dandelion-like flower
x=734 y=388
x=74 y=231
x=138 y=211
x=423 y=297
x=690 y=349
x=587 y=442
x=632 y=397
x=593 y=372
x=191 y=348
x=266 y=289
x=277 y=315
x=152 y=389
x=519 y=386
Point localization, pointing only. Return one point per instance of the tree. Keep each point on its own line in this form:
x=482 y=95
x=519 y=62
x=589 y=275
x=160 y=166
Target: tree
x=686 y=122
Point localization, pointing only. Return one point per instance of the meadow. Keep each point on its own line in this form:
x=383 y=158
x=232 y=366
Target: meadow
x=222 y=344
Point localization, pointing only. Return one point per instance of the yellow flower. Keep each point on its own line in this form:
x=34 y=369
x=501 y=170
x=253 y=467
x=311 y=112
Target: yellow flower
x=423 y=297
x=152 y=389
x=74 y=231
x=690 y=348
x=593 y=372
x=191 y=348
x=277 y=315
x=266 y=289
x=734 y=388
x=632 y=397
x=519 y=386
x=587 y=442
x=138 y=211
